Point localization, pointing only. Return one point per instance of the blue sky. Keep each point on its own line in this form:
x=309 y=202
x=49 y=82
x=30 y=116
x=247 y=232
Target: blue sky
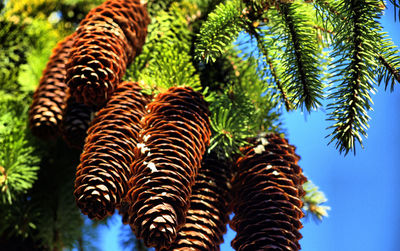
x=362 y=190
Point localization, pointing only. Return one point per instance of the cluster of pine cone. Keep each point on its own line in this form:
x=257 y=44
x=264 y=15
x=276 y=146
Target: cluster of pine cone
x=146 y=156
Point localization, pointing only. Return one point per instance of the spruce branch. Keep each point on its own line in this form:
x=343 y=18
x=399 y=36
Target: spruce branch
x=355 y=45
x=389 y=59
x=166 y=53
x=322 y=20
x=173 y=66
x=14 y=44
x=243 y=109
x=386 y=53
x=327 y=5
x=391 y=70
x=396 y=6
x=19 y=158
x=302 y=71
x=323 y=29
x=263 y=49
x=229 y=123
x=221 y=29
x=327 y=15
x=154 y=7
x=288 y=103
x=42 y=38
x=18 y=223
x=313 y=201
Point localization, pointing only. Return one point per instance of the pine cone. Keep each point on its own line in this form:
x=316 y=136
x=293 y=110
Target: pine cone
x=132 y=18
x=173 y=140
x=76 y=120
x=98 y=61
x=107 y=40
x=102 y=176
x=49 y=99
x=209 y=208
x=267 y=191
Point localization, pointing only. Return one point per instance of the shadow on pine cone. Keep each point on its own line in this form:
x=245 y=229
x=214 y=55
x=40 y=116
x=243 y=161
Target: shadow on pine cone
x=267 y=191
x=108 y=39
x=102 y=176
x=75 y=123
x=174 y=137
x=49 y=99
x=209 y=209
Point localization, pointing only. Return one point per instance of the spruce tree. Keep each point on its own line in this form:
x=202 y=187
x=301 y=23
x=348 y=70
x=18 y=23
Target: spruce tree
x=158 y=110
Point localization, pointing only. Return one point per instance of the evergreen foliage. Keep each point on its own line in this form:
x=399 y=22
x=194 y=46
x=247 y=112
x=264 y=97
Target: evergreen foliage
x=221 y=29
x=314 y=200
x=293 y=38
x=46 y=217
x=166 y=53
x=72 y=11
x=354 y=68
x=390 y=63
x=41 y=37
x=18 y=157
x=14 y=43
x=300 y=57
x=239 y=111
x=36 y=181
x=291 y=54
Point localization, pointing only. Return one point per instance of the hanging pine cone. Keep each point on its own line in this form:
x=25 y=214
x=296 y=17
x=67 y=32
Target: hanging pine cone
x=267 y=191
x=107 y=40
x=173 y=140
x=49 y=99
x=76 y=120
x=102 y=176
x=132 y=18
x=209 y=208
x=97 y=62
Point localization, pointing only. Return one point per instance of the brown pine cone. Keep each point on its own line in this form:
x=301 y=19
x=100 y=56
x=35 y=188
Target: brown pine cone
x=76 y=121
x=49 y=99
x=267 y=190
x=209 y=208
x=132 y=18
x=174 y=137
x=97 y=62
x=102 y=176
x=108 y=39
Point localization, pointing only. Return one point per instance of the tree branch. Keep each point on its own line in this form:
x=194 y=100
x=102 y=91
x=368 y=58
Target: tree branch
x=252 y=31
x=390 y=68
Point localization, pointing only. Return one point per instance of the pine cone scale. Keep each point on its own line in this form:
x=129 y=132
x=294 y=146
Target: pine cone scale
x=167 y=167
x=268 y=190
x=109 y=151
x=49 y=99
x=107 y=41
x=209 y=208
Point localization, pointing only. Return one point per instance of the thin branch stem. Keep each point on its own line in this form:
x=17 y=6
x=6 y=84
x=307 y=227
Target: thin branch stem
x=326 y=5
x=317 y=27
x=390 y=68
x=252 y=31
